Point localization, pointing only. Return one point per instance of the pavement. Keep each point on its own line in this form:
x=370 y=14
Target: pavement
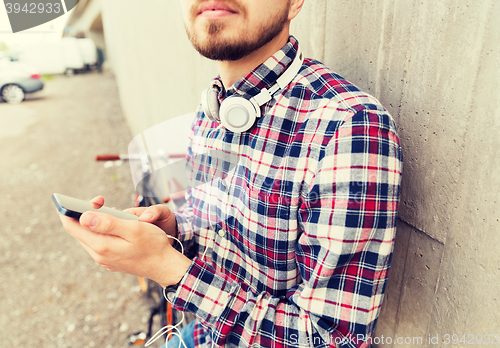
x=52 y=294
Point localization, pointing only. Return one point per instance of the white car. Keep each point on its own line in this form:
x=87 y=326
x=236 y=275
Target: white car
x=16 y=80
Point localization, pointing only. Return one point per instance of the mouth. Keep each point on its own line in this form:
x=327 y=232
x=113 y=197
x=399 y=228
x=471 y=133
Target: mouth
x=215 y=9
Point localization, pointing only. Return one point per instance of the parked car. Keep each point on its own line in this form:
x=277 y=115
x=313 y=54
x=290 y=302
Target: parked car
x=16 y=80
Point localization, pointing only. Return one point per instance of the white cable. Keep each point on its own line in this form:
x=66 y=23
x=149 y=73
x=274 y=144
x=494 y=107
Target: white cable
x=204 y=253
x=165 y=330
x=206 y=247
x=178 y=241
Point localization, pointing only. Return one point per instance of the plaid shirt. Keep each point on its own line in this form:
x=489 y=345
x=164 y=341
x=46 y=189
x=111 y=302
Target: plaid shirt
x=292 y=244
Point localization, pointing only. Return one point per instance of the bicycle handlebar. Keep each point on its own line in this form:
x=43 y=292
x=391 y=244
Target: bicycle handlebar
x=117 y=157
x=109 y=157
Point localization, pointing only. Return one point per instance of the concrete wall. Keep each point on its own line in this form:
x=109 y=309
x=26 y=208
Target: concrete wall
x=160 y=76
x=435 y=65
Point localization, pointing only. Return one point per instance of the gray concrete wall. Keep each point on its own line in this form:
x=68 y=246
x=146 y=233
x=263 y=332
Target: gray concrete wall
x=435 y=65
x=160 y=76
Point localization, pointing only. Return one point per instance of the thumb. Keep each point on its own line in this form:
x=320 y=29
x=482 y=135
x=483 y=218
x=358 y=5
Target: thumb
x=89 y=220
x=155 y=213
x=101 y=223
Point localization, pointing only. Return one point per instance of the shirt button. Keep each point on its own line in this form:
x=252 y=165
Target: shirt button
x=222 y=233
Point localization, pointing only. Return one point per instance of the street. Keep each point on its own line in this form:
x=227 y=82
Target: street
x=52 y=293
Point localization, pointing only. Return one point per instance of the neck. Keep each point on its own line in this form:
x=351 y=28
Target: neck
x=232 y=71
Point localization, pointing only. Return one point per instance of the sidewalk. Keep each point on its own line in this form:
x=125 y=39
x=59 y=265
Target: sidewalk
x=52 y=293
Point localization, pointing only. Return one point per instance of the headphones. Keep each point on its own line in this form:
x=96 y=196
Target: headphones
x=237 y=113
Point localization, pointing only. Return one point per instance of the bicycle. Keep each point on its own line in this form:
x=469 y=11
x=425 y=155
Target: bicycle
x=148 y=195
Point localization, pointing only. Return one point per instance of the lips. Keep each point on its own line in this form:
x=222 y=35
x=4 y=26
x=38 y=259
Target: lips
x=215 y=6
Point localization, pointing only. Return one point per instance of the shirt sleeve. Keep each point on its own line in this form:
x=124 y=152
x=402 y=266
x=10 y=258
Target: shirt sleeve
x=185 y=216
x=185 y=219
x=195 y=162
x=348 y=218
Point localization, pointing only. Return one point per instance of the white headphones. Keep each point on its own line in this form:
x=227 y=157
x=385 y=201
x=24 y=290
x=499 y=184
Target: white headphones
x=238 y=114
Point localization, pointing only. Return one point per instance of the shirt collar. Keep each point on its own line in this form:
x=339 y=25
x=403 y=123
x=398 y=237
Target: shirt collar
x=263 y=76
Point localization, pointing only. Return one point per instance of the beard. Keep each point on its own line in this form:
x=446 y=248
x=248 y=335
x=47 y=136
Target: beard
x=219 y=48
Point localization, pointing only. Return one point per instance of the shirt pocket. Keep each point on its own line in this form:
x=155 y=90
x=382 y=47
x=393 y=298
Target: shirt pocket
x=271 y=237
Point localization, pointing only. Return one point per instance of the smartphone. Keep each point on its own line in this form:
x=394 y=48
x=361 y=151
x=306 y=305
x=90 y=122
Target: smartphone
x=74 y=207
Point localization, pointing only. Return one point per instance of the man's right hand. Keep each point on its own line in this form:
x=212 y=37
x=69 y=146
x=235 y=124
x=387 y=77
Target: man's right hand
x=158 y=215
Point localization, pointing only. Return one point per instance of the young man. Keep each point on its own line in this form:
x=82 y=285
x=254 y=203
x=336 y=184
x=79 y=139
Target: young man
x=292 y=245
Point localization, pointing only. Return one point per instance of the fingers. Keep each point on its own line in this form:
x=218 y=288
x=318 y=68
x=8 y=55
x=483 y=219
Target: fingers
x=97 y=202
x=102 y=223
x=99 y=257
x=135 y=211
x=68 y=223
x=127 y=246
x=90 y=251
x=151 y=214
x=162 y=217
x=155 y=213
x=91 y=239
x=158 y=215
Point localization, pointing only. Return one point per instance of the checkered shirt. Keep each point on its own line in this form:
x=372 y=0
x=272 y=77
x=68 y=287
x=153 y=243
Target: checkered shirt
x=292 y=241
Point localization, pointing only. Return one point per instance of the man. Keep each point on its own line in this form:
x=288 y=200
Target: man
x=292 y=245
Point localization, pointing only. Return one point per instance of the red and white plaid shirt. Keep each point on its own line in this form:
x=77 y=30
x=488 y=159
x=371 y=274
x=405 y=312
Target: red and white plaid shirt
x=292 y=243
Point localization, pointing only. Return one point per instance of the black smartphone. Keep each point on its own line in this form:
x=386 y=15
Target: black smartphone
x=74 y=207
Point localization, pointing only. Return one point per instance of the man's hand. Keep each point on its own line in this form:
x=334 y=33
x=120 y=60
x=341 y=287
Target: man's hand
x=133 y=247
x=158 y=215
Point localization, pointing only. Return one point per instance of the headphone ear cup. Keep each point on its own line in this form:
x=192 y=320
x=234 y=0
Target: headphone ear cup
x=210 y=104
x=238 y=114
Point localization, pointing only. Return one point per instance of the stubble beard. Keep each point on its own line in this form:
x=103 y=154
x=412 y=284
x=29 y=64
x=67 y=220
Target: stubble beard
x=222 y=49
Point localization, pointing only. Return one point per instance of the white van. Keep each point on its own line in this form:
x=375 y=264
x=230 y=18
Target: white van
x=71 y=55
x=64 y=57
x=88 y=51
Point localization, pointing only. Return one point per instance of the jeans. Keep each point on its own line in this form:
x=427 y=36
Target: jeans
x=187 y=334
